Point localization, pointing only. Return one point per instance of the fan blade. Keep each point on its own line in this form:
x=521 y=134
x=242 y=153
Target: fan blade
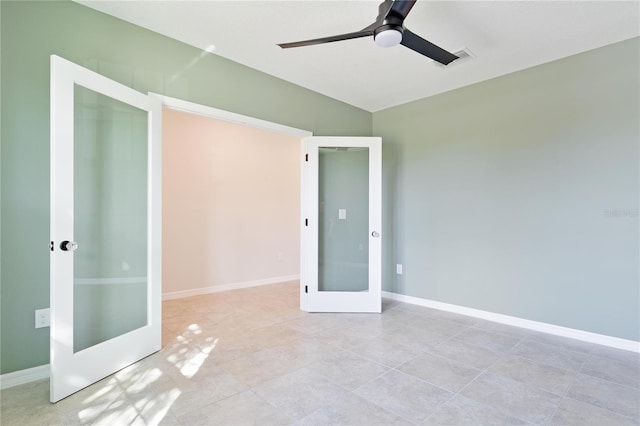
x=383 y=11
x=401 y=8
x=348 y=36
x=426 y=48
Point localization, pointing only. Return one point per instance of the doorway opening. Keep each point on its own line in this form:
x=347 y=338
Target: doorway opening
x=231 y=200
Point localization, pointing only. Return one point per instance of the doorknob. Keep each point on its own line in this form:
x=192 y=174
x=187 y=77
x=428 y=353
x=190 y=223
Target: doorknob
x=69 y=245
x=375 y=234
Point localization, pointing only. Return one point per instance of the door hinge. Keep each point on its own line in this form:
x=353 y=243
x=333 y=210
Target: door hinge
x=306 y=289
x=51 y=246
x=306 y=157
x=306 y=222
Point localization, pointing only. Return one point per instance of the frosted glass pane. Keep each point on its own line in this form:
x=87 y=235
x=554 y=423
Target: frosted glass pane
x=110 y=218
x=343 y=228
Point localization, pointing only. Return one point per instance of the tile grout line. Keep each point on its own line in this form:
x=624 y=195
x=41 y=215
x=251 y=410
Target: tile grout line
x=573 y=382
x=414 y=377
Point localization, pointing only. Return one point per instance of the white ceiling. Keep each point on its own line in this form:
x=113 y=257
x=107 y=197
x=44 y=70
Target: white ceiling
x=504 y=36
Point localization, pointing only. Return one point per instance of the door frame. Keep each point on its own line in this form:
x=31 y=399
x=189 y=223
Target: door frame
x=245 y=120
x=231 y=117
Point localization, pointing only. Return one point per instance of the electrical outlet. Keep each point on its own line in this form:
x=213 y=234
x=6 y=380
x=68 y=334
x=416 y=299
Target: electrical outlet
x=43 y=318
x=399 y=269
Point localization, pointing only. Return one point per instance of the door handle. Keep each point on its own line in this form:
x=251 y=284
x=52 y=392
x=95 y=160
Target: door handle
x=375 y=234
x=69 y=245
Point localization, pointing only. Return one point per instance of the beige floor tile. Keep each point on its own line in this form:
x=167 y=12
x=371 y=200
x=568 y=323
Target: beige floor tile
x=348 y=370
x=495 y=342
x=459 y=411
x=386 y=353
x=513 y=398
x=615 y=354
x=354 y=411
x=299 y=393
x=465 y=353
x=245 y=408
x=28 y=404
x=496 y=327
x=251 y=356
x=441 y=372
x=550 y=379
x=614 y=371
x=563 y=342
x=404 y=395
x=572 y=412
x=553 y=356
x=260 y=366
x=620 y=399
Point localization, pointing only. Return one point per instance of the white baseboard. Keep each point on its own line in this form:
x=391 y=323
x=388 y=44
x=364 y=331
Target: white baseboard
x=586 y=336
x=225 y=287
x=24 y=376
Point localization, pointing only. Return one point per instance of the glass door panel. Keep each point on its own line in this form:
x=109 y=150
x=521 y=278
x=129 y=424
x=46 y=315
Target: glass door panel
x=110 y=211
x=343 y=219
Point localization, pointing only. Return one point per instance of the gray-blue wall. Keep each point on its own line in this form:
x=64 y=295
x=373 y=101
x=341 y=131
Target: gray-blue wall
x=519 y=195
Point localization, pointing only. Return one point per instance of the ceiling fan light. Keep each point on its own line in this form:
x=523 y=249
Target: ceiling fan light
x=388 y=38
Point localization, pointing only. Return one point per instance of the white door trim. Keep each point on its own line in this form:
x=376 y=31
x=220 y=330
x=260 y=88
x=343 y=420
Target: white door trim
x=231 y=117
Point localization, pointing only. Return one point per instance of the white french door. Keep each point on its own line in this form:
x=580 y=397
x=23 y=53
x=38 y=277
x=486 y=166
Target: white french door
x=341 y=221
x=105 y=227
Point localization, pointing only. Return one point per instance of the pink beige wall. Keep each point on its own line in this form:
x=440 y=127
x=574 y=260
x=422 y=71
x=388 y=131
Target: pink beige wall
x=231 y=204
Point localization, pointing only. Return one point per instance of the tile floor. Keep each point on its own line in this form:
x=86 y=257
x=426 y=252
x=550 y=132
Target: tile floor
x=251 y=357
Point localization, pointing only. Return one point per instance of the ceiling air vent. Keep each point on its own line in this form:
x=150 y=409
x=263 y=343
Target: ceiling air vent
x=464 y=55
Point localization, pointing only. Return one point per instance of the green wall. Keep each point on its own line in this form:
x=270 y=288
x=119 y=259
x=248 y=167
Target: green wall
x=32 y=31
x=520 y=195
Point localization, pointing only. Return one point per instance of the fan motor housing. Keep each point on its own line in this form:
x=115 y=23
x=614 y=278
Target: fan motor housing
x=388 y=35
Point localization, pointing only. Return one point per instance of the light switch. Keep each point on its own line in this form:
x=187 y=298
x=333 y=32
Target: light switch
x=342 y=214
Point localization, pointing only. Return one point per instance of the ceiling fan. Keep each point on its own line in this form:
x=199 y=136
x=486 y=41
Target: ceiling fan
x=388 y=30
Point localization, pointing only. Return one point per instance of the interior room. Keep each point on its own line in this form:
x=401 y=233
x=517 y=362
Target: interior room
x=255 y=175
x=505 y=252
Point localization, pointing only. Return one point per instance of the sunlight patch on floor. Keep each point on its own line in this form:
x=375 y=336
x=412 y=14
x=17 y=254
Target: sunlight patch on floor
x=188 y=355
x=125 y=398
